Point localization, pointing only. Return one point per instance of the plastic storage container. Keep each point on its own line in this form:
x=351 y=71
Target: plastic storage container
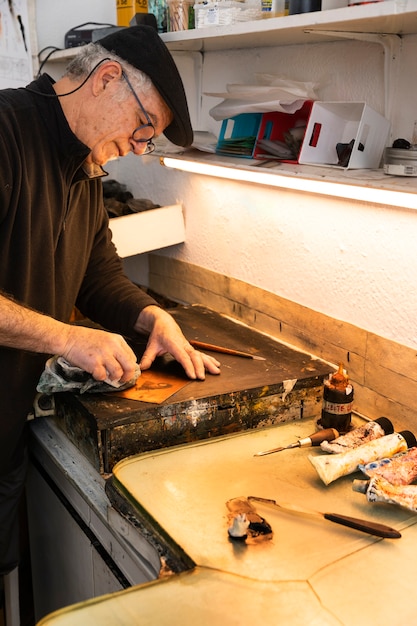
x=226 y=12
x=399 y=162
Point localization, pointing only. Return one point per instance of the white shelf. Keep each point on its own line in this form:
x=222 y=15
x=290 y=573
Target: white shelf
x=363 y=185
x=388 y=17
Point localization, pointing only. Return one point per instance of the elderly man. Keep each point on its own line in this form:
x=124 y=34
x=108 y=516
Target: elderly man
x=56 y=250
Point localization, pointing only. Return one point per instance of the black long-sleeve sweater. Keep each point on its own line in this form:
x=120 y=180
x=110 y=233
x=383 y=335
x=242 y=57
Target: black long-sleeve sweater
x=55 y=245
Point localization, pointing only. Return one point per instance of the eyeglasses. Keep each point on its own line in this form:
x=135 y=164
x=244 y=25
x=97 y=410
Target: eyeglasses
x=144 y=133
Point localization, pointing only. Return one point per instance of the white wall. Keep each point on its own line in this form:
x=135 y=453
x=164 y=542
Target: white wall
x=353 y=261
x=54 y=18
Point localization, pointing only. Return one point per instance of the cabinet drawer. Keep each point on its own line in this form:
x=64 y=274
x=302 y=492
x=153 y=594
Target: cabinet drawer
x=149 y=230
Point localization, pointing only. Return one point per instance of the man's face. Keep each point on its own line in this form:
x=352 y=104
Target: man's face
x=112 y=121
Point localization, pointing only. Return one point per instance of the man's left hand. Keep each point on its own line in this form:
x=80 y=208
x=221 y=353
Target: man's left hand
x=166 y=337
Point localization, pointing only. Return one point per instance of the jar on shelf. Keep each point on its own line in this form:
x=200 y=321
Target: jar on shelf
x=180 y=15
x=304 y=6
x=273 y=8
x=159 y=10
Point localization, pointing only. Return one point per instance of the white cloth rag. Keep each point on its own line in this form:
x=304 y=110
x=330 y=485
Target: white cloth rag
x=59 y=375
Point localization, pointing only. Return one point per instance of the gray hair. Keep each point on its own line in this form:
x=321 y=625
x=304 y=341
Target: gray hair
x=90 y=56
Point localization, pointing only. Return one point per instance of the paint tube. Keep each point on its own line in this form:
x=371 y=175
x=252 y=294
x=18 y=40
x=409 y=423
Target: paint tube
x=380 y=490
x=331 y=467
x=358 y=436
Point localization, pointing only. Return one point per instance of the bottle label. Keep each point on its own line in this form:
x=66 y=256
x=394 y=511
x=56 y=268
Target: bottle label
x=336 y=408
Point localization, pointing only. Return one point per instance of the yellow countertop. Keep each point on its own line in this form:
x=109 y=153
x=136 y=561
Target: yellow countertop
x=311 y=572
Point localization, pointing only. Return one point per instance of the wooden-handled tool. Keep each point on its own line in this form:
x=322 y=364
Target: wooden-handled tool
x=366 y=526
x=202 y=345
x=327 y=434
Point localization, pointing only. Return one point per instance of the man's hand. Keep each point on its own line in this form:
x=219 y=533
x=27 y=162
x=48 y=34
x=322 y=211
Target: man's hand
x=102 y=354
x=166 y=337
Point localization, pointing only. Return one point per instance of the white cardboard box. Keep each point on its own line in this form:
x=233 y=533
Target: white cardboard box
x=331 y=123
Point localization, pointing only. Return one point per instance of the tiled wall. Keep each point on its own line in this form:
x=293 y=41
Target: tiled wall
x=384 y=373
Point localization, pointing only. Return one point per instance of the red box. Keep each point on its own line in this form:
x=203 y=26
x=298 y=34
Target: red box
x=273 y=126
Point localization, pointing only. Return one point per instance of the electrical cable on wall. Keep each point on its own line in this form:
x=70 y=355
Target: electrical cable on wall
x=74 y=40
x=52 y=49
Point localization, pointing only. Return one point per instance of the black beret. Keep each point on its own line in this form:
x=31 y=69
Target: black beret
x=142 y=47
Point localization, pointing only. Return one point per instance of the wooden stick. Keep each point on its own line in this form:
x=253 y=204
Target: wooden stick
x=201 y=345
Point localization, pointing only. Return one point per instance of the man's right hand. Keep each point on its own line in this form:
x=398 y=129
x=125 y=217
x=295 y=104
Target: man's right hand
x=100 y=353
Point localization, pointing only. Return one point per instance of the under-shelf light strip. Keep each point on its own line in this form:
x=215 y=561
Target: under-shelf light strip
x=338 y=190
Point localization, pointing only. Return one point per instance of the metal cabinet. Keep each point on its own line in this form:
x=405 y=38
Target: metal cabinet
x=77 y=552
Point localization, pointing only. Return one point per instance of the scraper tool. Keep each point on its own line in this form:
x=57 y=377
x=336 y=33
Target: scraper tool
x=372 y=528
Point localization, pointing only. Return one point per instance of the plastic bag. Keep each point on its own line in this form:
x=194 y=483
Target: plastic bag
x=274 y=94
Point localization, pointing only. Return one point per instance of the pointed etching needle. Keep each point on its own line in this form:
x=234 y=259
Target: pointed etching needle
x=328 y=434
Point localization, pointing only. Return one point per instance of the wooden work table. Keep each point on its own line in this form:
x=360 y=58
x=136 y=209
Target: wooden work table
x=248 y=394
